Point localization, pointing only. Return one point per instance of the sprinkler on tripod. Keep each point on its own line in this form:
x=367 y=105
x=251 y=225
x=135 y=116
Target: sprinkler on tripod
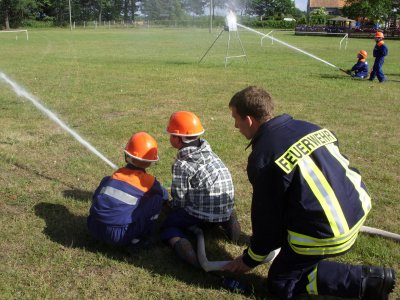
x=230 y=26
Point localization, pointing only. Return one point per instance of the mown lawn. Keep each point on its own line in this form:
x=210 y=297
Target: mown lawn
x=106 y=84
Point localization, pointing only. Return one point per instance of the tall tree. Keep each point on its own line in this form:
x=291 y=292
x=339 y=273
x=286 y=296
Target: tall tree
x=176 y=12
x=375 y=10
x=318 y=16
x=195 y=7
x=60 y=11
x=243 y=6
x=6 y=9
x=12 y=12
x=129 y=8
x=151 y=8
x=270 y=8
x=284 y=7
x=43 y=7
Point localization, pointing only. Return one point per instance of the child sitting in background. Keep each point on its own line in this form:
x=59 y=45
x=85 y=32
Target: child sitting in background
x=126 y=204
x=361 y=68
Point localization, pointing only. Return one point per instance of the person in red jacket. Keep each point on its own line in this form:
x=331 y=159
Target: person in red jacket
x=126 y=204
x=307 y=201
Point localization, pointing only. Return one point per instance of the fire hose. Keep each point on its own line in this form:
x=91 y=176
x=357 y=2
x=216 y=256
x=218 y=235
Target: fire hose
x=218 y=265
x=381 y=233
x=201 y=253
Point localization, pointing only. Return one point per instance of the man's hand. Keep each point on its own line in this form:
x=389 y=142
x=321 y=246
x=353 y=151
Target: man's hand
x=236 y=266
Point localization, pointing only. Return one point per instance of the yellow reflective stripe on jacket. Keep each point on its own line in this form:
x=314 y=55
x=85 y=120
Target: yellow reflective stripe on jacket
x=307 y=245
x=256 y=257
x=353 y=176
x=325 y=195
x=304 y=240
x=312 y=286
x=325 y=250
x=304 y=147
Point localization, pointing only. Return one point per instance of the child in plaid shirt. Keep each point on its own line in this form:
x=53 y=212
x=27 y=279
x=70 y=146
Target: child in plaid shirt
x=202 y=188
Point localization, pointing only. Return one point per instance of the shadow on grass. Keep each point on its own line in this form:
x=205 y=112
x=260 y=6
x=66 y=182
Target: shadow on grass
x=70 y=231
x=326 y=76
x=38 y=174
x=338 y=76
x=77 y=194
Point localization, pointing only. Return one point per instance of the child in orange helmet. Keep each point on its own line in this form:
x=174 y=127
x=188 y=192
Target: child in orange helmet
x=380 y=51
x=202 y=188
x=361 y=68
x=127 y=203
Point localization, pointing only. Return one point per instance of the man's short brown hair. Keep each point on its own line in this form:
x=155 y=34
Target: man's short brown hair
x=253 y=101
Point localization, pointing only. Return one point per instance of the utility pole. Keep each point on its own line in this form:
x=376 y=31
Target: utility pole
x=70 y=16
x=211 y=16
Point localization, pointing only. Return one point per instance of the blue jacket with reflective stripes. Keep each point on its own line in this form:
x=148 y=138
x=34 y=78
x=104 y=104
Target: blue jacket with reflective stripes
x=118 y=202
x=361 y=68
x=304 y=193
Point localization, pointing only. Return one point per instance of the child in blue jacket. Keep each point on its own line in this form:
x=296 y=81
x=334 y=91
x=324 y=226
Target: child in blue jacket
x=127 y=203
x=361 y=68
x=380 y=51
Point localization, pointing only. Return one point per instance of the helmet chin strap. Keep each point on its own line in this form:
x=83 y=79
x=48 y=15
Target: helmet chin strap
x=187 y=140
x=128 y=159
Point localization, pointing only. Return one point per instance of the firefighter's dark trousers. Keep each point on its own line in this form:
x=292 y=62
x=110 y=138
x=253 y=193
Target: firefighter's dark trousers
x=291 y=274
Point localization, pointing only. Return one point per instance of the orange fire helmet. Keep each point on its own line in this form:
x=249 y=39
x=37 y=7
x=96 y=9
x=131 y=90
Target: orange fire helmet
x=142 y=146
x=379 y=34
x=363 y=53
x=184 y=123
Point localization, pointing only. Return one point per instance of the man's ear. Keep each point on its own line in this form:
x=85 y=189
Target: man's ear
x=253 y=123
x=249 y=120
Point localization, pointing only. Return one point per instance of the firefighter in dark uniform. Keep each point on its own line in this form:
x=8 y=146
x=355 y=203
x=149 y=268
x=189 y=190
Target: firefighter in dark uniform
x=306 y=201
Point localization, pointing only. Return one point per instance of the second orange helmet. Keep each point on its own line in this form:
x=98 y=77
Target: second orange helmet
x=184 y=123
x=363 y=53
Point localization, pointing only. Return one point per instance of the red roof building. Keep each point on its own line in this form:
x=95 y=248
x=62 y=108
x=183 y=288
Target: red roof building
x=333 y=7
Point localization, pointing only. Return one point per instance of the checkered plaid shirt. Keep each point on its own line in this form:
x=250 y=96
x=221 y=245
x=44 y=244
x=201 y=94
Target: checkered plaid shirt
x=202 y=184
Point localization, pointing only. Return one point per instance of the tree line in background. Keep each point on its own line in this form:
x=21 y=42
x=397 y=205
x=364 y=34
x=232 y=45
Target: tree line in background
x=373 y=11
x=14 y=13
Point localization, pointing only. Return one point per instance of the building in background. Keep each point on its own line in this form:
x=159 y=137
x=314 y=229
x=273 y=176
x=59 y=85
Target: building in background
x=333 y=7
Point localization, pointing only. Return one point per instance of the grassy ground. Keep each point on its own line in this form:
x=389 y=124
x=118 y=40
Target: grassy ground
x=107 y=84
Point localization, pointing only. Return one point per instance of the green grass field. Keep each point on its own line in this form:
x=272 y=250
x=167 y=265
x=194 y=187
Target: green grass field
x=107 y=84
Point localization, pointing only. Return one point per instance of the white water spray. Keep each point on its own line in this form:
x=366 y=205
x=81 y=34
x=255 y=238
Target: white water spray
x=288 y=45
x=23 y=93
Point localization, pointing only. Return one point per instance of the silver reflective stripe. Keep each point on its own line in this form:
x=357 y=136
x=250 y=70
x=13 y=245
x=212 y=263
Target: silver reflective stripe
x=354 y=177
x=323 y=251
x=301 y=239
x=324 y=193
x=119 y=195
x=155 y=217
x=320 y=242
x=312 y=286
